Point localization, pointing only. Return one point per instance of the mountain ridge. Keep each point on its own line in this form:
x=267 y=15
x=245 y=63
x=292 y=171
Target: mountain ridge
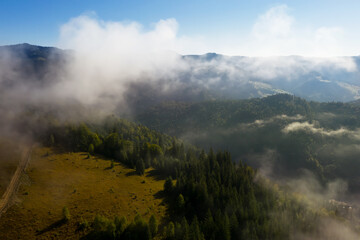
x=231 y=77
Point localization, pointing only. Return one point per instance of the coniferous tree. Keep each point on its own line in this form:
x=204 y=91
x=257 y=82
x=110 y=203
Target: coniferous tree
x=180 y=203
x=120 y=224
x=140 y=167
x=66 y=214
x=185 y=229
x=153 y=225
x=195 y=232
x=91 y=149
x=52 y=140
x=168 y=185
x=170 y=231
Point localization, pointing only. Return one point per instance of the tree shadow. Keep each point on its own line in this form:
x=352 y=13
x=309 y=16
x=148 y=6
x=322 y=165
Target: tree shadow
x=93 y=235
x=160 y=195
x=132 y=173
x=54 y=225
x=59 y=150
x=46 y=155
x=156 y=175
x=167 y=201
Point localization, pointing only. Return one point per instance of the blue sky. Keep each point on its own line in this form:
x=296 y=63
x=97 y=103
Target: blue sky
x=232 y=27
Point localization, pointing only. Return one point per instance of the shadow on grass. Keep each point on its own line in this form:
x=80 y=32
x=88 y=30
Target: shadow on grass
x=64 y=150
x=93 y=235
x=166 y=200
x=132 y=173
x=46 y=155
x=108 y=168
x=53 y=226
x=59 y=150
x=160 y=195
x=156 y=175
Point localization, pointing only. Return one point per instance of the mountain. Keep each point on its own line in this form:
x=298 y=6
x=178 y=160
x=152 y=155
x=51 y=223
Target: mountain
x=317 y=79
x=26 y=66
x=206 y=77
x=36 y=53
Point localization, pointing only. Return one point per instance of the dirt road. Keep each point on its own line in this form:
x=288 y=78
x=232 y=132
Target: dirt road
x=13 y=186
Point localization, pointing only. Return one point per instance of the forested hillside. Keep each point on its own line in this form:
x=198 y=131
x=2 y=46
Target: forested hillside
x=282 y=132
x=212 y=197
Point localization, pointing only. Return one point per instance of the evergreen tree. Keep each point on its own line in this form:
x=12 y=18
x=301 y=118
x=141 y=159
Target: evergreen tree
x=110 y=230
x=52 y=140
x=91 y=149
x=170 y=231
x=185 y=229
x=209 y=226
x=66 y=214
x=180 y=203
x=168 y=185
x=140 y=167
x=153 y=225
x=234 y=227
x=138 y=229
x=195 y=232
x=120 y=224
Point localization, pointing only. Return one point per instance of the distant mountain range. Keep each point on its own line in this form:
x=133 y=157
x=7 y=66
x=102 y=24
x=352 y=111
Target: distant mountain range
x=214 y=76
x=317 y=79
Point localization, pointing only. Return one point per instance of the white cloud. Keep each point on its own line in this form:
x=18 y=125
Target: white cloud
x=261 y=123
x=275 y=23
x=110 y=55
x=277 y=32
x=310 y=127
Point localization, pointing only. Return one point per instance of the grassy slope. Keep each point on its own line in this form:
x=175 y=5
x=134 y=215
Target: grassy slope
x=9 y=157
x=86 y=186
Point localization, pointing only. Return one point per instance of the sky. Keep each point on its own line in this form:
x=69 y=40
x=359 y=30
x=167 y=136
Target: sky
x=253 y=28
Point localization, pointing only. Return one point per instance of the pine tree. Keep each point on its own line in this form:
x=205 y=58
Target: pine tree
x=168 y=185
x=52 y=140
x=120 y=224
x=209 y=225
x=140 y=167
x=91 y=149
x=170 y=231
x=153 y=225
x=180 y=203
x=234 y=227
x=185 y=229
x=195 y=232
x=66 y=214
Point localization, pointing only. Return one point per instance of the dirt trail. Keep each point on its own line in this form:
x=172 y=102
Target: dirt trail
x=13 y=186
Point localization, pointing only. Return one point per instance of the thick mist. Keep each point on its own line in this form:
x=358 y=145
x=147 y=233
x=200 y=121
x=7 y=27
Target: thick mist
x=122 y=67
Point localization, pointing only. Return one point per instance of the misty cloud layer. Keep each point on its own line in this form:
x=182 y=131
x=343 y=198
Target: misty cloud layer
x=109 y=58
x=310 y=127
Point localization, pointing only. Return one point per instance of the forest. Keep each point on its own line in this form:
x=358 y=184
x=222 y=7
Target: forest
x=209 y=195
x=287 y=131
